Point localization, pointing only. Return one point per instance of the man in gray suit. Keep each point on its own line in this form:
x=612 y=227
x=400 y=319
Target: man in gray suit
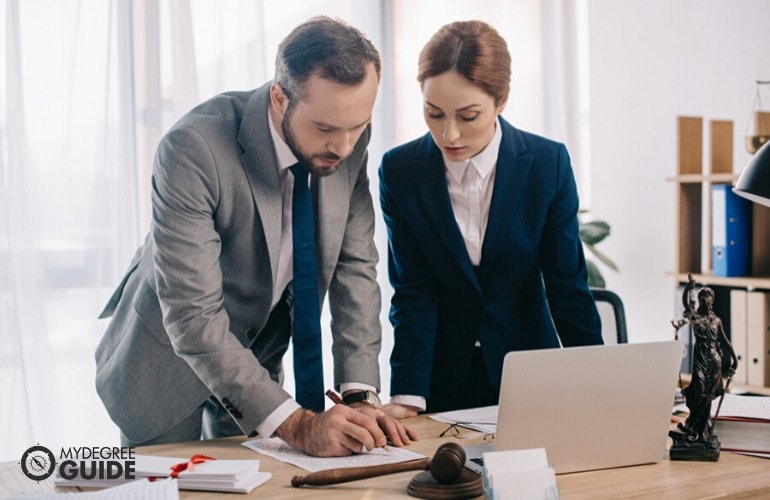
x=201 y=321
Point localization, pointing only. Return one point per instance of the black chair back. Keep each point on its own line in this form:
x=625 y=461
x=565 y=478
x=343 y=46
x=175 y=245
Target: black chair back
x=612 y=314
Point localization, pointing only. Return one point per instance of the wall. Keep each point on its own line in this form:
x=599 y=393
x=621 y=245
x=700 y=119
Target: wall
x=650 y=61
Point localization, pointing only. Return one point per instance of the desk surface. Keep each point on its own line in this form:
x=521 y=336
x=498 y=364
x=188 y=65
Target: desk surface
x=734 y=476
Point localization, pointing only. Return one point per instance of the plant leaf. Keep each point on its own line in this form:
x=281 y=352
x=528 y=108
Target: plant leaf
x=595 y=278
x=593 y=232
x=603 y=258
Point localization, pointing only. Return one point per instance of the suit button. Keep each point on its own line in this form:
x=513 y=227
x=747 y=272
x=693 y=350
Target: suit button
x=250 y=333
x=225 y=401
x=237 y=414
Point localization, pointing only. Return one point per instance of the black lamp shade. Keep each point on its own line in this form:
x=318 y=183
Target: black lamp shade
x=754 y=182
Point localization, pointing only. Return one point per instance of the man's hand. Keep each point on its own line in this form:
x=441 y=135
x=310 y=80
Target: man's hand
x=398 y=434
x=337 y=432
x=396 y=410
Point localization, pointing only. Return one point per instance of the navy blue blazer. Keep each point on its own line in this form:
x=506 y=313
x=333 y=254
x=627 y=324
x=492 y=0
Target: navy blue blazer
x=529 y=290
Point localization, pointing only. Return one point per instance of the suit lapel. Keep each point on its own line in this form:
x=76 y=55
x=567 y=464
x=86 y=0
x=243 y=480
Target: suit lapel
x=430 y=182
x=261 y=167
x=513 y=165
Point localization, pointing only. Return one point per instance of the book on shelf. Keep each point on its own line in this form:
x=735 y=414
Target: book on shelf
x=196 y=473
x=743 y=424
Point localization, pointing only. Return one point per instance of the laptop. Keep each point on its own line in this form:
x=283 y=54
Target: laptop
x=591 y=408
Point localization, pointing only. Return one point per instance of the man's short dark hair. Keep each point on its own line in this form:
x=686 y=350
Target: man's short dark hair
x=329 y=48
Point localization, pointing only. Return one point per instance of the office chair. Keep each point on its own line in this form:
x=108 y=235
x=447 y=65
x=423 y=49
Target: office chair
x=612 y=314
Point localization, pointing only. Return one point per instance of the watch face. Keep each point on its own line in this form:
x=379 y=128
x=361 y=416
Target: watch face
x=38 y=463
x=374 y=399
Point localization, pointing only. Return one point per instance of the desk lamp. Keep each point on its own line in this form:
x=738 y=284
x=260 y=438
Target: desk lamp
x=754 y=182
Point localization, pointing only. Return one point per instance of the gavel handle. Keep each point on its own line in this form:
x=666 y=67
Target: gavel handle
x=334 y=476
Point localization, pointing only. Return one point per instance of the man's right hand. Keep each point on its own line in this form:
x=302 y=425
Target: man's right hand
x=337 y=432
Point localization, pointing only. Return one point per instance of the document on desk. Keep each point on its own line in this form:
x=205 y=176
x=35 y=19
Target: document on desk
x=736 y=405
x=482 y=419
x=278 y=449
x=141 y=489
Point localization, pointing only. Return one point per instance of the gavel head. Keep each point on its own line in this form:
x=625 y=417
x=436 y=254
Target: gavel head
x=448 y=462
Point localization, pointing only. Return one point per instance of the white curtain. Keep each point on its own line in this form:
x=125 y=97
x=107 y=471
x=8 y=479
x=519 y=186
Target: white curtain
x=68 y=204
x=566 y=91
x=87 y=88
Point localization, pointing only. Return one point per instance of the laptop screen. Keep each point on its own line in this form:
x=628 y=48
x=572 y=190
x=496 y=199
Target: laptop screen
x=590 y=407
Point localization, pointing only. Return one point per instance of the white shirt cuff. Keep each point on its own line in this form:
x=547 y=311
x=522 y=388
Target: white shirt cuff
x=349 y=386
x=273 y=421
x=416 y=401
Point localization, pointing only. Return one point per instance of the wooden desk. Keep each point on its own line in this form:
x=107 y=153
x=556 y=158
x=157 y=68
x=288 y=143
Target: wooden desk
x=734 y=476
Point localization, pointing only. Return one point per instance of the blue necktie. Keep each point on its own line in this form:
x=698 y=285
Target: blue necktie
x=308 y=364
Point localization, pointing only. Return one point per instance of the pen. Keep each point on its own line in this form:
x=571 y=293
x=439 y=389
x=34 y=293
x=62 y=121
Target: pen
x=337 y=400
x=334 y=397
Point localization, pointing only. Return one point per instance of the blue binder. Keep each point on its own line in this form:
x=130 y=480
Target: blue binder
x=730 y=232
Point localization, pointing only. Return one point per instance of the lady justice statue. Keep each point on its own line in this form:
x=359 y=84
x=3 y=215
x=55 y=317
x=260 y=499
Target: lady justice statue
x=695 y=439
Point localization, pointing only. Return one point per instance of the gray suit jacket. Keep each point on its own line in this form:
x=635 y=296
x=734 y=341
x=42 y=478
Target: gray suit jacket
x=198 y=292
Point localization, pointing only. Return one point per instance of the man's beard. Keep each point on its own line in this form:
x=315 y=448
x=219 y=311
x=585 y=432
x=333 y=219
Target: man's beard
x=304 y=159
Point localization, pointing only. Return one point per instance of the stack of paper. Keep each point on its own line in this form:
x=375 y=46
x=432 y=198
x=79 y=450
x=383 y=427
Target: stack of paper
x=235 y=476
x=519 y=474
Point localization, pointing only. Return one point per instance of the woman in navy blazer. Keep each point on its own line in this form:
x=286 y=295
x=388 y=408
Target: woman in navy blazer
x=484 y=254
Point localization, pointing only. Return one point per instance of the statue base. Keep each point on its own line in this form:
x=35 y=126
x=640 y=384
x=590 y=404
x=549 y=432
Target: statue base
x=693 y=451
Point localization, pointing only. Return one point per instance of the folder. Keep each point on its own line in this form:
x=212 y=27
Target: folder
x=731 y=232
x=738 y=334
x=758 y=338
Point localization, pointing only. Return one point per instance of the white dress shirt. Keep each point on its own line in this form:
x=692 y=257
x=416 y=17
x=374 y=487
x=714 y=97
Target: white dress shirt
x=470 y=183
x=285 y=271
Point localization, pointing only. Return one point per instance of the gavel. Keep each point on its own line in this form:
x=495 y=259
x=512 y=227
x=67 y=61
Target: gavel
x=445 y=467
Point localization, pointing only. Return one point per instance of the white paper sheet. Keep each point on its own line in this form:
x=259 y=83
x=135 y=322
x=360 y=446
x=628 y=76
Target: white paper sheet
x=735 y=405
x=141 y=489
x=482 y=419
x=278 y=449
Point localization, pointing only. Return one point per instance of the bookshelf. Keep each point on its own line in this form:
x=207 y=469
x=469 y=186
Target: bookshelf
x=694 y=180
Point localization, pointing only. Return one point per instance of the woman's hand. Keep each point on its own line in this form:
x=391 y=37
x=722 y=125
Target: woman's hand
x=399 y=411
x=397 y=433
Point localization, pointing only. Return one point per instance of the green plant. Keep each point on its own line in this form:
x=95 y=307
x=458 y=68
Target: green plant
x=591 y=233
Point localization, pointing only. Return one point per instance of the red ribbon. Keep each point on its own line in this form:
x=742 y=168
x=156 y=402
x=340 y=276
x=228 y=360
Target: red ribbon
x=181 y=467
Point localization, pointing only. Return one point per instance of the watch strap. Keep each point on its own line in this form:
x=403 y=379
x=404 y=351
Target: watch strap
x=366 y=397
x=355 y=397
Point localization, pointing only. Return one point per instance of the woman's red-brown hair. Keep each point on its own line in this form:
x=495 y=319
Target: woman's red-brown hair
x=475 y=51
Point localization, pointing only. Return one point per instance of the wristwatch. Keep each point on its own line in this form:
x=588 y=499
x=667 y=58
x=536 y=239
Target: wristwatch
x=367 y=397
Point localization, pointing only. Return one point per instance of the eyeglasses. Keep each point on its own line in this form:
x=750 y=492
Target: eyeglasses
x=455 y=432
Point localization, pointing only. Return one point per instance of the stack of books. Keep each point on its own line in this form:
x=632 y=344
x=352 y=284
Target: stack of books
x=743 y=424
x=234 y=476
